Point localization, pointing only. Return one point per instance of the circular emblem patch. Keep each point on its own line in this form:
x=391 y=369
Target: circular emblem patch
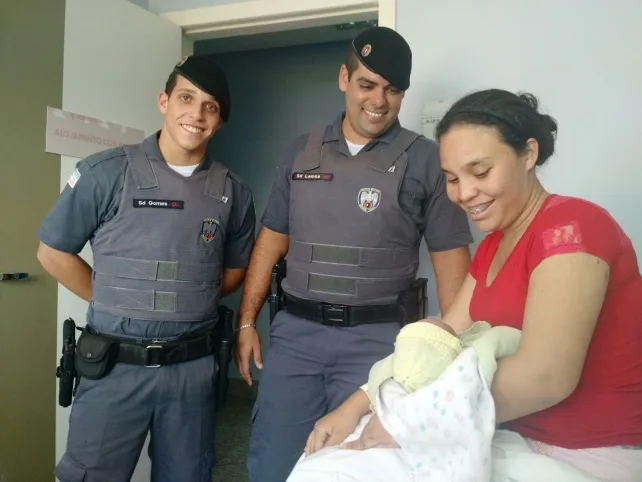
x=368 y=199
x=365 y=51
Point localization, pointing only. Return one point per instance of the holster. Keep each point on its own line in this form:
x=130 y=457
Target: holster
x=95 y=355
x=275 y=298
x=66 y=371
x=414 y=301
x=224 y=356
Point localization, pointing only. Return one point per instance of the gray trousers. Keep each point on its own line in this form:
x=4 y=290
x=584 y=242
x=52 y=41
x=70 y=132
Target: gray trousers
x=110 y=419
x=310 y=369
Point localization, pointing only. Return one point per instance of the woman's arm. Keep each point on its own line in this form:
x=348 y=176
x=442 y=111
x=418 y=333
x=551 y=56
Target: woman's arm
x=565 y=297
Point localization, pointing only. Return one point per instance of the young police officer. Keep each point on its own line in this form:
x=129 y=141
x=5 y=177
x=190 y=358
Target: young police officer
x=171 y=231
x=350 y=205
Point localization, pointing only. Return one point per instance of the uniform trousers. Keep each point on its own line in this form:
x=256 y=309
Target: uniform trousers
x=111 y=417
x=309 y=370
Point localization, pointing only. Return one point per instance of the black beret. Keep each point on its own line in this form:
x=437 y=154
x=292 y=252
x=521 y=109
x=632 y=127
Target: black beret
x=386 y=53
x=208 y=76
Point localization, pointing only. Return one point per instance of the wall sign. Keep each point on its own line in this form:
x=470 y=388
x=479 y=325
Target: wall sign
x=79 y=136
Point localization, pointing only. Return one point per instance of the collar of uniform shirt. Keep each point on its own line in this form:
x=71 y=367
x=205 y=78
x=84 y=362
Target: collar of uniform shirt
x=334 y=133
x=150 y=144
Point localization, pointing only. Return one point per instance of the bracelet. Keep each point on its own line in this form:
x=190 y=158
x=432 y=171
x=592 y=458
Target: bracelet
x=250 y=325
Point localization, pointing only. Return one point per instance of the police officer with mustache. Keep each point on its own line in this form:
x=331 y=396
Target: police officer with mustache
x=350 y=205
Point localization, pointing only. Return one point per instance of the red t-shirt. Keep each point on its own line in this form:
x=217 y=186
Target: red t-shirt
x=606 y=407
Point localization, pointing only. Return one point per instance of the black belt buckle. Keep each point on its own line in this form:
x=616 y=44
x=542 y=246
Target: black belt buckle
x=334 y=315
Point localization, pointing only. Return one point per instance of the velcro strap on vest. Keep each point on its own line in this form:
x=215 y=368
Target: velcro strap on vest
x=216 y=181
x=141 y=166
x=151 y=300
x=350 y=287
x=310 y=157
x=349 y=255
x=154 y=270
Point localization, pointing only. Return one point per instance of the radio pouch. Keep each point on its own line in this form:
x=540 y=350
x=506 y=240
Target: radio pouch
x=95 y=355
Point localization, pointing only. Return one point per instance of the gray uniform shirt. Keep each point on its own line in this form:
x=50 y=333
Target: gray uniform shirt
x=422 y=196
x=94 y=200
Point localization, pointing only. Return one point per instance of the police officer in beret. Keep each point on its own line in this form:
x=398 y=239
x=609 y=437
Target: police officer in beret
x=349 y=206
x=171 y=231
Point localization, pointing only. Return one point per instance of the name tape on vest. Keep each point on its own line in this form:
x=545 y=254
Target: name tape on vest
x=158 y=204
x=312 y=176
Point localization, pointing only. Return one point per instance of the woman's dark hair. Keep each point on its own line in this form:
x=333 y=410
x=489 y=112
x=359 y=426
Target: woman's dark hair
x=514 y=116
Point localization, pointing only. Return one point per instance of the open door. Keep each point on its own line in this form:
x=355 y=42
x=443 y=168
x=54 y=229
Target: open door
x=117 y=57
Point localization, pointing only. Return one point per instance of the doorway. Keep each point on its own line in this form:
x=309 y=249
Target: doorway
x=282 y=86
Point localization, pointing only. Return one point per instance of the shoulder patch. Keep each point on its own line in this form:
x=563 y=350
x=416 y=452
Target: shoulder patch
x=73 y=179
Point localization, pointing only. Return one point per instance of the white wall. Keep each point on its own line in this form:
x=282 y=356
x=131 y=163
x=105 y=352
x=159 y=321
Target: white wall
x=114 y=75
x=580 y=57
x=158 y=6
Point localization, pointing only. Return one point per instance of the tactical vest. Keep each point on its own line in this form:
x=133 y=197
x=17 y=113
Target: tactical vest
x=350 y=241
x=161 y=257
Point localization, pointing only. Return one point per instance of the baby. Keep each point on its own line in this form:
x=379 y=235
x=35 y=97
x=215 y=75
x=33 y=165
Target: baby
x=424 y=349
x=447 y=432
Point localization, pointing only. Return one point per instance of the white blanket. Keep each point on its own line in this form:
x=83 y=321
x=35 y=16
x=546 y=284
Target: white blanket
x=445 y=432
x=514 y=461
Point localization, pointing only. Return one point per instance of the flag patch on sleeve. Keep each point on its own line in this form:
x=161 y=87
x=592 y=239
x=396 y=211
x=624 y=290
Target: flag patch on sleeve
x=73 y=179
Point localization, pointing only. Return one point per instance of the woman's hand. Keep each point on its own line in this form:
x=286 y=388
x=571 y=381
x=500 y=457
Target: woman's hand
x=374 y=435
x=332 y=429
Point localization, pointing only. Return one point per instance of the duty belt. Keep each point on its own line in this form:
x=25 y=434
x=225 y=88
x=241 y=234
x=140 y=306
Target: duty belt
x=154 y=353
x=332 y=314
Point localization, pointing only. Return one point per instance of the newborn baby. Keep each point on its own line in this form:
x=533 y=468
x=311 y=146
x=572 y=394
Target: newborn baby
x=446 y=432
x=443 y=432
x=424 y=349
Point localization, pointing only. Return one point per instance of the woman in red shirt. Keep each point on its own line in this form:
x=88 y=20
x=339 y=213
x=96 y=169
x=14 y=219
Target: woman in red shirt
x=558 y=268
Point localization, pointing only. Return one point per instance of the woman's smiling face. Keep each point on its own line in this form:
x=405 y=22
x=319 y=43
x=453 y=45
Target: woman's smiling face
x=485 y=176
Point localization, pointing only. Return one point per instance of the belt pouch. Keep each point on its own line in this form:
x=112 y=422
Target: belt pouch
x=95 y=355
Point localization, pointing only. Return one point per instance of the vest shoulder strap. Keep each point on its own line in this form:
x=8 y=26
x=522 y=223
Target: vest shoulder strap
x=310 y=157
x=386 y=157
x=404 y=140
x=141 y=167
x=216 y=182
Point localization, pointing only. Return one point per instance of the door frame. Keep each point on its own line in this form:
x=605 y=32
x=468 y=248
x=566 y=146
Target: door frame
x=252 y=17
